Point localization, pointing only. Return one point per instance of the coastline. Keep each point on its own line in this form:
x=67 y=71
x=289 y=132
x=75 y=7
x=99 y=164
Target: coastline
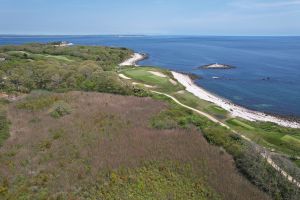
x=135 y=58
x=235 y=110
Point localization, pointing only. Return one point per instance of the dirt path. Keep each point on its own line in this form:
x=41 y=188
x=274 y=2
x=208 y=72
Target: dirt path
x=193 y=109
x=124 y=77
x=265 y=155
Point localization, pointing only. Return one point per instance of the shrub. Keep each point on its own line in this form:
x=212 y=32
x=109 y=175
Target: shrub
x=4 y=127
x=60 y=109
x=57 y=134
x=37 y=102
x=151 y=181
x=44 y=145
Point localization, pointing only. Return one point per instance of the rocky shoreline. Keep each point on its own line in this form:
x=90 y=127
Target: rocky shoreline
x=135 y=58
x=235 y=110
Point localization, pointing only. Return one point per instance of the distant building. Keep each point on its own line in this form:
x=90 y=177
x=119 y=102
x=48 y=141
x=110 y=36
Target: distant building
x=63 y=44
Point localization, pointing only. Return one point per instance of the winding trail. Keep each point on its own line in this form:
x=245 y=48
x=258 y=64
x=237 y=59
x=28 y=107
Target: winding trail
x=193 y=109
x=264 y=154
x=137 y=57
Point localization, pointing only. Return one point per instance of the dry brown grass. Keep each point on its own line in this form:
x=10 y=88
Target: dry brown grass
x=106 y=132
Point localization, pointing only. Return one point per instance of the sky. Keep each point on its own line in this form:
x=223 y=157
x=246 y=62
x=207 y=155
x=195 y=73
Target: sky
x=150 y=17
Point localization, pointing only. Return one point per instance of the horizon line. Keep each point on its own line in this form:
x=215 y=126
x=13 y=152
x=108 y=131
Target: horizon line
x=145 y=35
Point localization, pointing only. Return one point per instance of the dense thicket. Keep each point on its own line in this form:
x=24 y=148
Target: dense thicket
x=40 y=66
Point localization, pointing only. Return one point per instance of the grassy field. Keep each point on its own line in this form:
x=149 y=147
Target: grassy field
x=107 y=148
x=144 y=75
x=38 y=56
x=274 y=137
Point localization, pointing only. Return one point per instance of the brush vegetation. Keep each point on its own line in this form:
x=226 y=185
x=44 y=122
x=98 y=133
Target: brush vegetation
x=4 y=123
x=89 y=145
x=106 y=149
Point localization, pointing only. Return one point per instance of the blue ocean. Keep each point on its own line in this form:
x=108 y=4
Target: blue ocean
x=266 y=77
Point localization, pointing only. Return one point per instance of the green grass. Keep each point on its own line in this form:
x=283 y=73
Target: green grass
x=63 y=58
x=191 y=100
x=272 y=136
x=236 y=122
x=143 y=75
x=291 y=140
x=297 y=162
x=217 y=111
x=37 y=55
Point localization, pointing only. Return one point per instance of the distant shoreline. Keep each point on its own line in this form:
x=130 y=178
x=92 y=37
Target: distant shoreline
x=235 y=110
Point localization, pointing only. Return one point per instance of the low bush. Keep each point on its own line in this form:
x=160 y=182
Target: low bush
x=4 y=127
x=4 y=123
x=152 y=181
x=60 y=109
x=37 y=101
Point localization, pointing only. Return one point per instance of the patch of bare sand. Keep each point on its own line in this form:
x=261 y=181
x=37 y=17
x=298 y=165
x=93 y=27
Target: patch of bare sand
x=158 y=74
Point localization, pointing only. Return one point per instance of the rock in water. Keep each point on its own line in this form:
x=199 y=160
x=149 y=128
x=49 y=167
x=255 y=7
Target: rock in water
x=216 y=66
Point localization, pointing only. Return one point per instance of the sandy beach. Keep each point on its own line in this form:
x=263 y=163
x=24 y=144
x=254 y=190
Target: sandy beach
x=235 y=110
x=136 y=57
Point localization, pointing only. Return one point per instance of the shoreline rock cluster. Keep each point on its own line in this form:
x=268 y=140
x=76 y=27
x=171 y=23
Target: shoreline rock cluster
x=216 y=66
x=135 y=58
x=235 y=110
